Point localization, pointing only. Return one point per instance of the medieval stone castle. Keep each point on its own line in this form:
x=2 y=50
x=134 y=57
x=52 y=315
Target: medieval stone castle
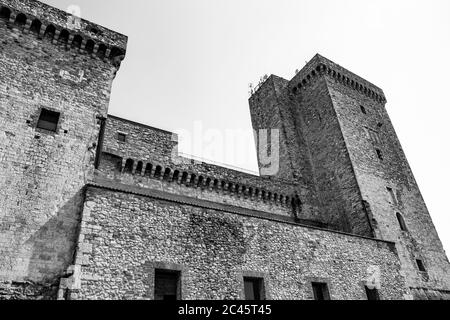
x=96 y=207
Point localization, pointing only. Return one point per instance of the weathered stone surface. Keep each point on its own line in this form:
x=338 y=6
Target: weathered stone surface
x=91 y=210
x=129 y=233
x=43 y=173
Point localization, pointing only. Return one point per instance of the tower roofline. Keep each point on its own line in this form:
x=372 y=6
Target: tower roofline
x=88 y=36
x=61 y=18
x=320 y=65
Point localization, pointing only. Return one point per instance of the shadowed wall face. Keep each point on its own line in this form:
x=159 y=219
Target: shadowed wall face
x=43 y=171
x=388 y=186
x=130 y=237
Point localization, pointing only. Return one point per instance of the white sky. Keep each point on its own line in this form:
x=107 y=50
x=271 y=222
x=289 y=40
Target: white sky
x=190 y=61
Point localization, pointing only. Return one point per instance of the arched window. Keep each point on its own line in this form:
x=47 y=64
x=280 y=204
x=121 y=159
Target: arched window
x=167 y=174
x=176 y=176
x=36 y=26
x=401 y=222
x=76 y=42
x=5 y=13
x=50 y=32
x=158 y=172
x=139 y=167
x=192 y=179
x=21 y=20
x=148 y=169
x=184 y=177
x=128 y=166
x=200 y=182
x=89 y=46
x=101 y=51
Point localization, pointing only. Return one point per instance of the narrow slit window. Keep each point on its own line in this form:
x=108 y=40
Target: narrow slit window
x=392 y=194
x=363 y=110
x=420 y=265
x=167 y=285
x=379 y=154
x=321 y=291
x=254 y=289
x=48 y=120
x=401 y=222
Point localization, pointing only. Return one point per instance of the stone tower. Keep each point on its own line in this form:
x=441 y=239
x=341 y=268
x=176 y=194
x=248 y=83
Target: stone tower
x=338 y=144
x=56 y=73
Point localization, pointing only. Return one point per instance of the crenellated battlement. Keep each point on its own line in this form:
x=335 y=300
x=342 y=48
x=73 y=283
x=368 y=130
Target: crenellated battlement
x=197 y=180
x=319 y=66
x=50 y=24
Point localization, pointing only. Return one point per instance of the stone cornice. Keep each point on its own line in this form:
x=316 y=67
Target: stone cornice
x=50 y=24
x=320 y=66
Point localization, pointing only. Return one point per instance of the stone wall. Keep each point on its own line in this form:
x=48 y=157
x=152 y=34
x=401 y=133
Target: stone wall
x=43 y=173
x=125 y=236
x=271 y=109
x=364 y=134
x=148 y=158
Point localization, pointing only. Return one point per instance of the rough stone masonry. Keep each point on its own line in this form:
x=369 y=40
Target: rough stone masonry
x=93 y=206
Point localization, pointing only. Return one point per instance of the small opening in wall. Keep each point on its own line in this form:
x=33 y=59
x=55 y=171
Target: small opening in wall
x=89 y=46
x=372 y=294
x=63 y=36
x=321 y=291
x=101 y=51
x=158 y=172
x=48 y=120
x=122 y=137
x=139 y=167
x=5 y=13
x=420 y=265
x=167 y=285
x=379 y=154
x=148 y=169
x=254 y=289
x=401 y=222
x=129 y=166
x=176 y=175
x=50 y=32
x=21 y=20
x=76 y=42
x=166 y=175
x=363 y=110
x=36 y=26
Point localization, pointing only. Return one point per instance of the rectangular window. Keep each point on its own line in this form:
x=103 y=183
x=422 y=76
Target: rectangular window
x=122 y=137
x=320 y=291
x=420 y=265
x=167 y=285
x=372 y=294
x=392 y=194
x=254 y=289
x=48 y=120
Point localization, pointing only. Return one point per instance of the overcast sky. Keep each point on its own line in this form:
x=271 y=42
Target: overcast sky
x=190 y=62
